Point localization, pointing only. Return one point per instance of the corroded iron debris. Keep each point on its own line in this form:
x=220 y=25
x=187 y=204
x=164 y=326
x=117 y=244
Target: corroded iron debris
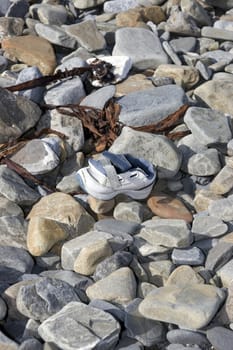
x=102 y=126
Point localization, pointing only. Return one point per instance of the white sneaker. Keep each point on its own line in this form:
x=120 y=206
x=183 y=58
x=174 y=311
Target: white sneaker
x=114 y=174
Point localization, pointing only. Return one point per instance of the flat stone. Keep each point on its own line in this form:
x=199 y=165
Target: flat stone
x=184 y=336
x=129 y=211
x=81 y=32
x=67 y=92
x=168 y=207
x=216 y=33
x=133 y=83
x=146 y=145
x=114 y=226
x=85 y=4
x=3 y=309
x=166 y=232
x=151 y=106
x=184 y=275
x=133 y=42
x=225 y=274
x=13 y=225
x=55 y=35
x=14 y=262
x=78 y=326
x=205 y=226
x=158 y=271
x=205 y=163
x=222 y=183
x=185 y=76
x=222 y=208
x=90 y=256
x=203 y=198
x=31 y=50
x=4 y=7
x=115 y=311
x=72 y=248
x=226 y=5
x=220 y=338
x=216 y=94
x=148 y=332
x=18 y=114
x=7 y=343
x=183 y=45
x=188 y=256
x=13 y=187
x=208 y=125
x=219 y=255
x=44 y=297
x=11 y=27
x=218 y=56
x=171 y=54
x=119 y=287
x=119 y=5
x=179 y=305
x=99 y=98
x=49 y=13
x=37 y=157
x=108 y=265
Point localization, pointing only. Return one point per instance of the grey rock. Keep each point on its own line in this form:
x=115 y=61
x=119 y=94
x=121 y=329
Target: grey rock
x=31 y=329
x=158 y=271
x=37 y=157
x=129 y=211
x=171 y=53
x=86 y=4
x=181 y=23
x=72 y=248
x=207 y=226
x=183 y=45
x=81 y=33
x=119 y=5
x=3 y=63
x=14 y=262
x=222 y=183
x=188 y=256
x=55 y=35
x=99 y=98
x=18 y=115
x=18 y=8
x=222 y=208
x=48 y=261
x=151 y=105
x=208 y=125
x=205 y=163
x=11 y=26
x=44 y=297
x=146 y=145
x=226 y=5
x=116 y=261
x=7 y=343
x=31 y=344
x=204 y=70
x=114 y=226
x=49 y=13
x=184 y=336
x=216 y=33
x=182 y=347
x=13 y=225
x=160 y=81
x=126 y=343
x=103 y=305
x=68 y=184
x=67 y=92
x=225 y=274
x=119 y=287
x=218 y=56
x=134 y=42
x=30 y=73
x=15 y=189
x=219 y=255
x=167 y=233
x=196 y=11
x=70 y=63
x=78 y=326
x=5 y=4
x=220 y=338
x=146 y=331
x=174 y=303
x=3 y=309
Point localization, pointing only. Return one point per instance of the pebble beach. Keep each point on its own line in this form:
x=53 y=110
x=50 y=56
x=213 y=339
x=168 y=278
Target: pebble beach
x=150 y=78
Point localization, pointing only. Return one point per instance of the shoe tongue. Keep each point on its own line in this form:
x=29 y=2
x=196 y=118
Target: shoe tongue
x=119 y=161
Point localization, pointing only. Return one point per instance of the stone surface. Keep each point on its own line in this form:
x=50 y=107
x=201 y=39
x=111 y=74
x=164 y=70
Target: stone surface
x=133 y=83
x=31 y=50
x=119 y=287
x=222 y=208
x=132 y=211
x=55 y=35
x=219 y=255
x=179 y=305
x=44 y=297
x=205 y=226
x=183 y=275
x=158 y=271
x=222 y=183
x=220 y=338
x=89 y=327
x=133 y=42
x=138 y=143
x=188 y=256
x=168 y=207
x=204 y=198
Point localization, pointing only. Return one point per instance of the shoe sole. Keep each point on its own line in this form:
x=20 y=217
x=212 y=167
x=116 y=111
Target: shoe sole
x=135 y=194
